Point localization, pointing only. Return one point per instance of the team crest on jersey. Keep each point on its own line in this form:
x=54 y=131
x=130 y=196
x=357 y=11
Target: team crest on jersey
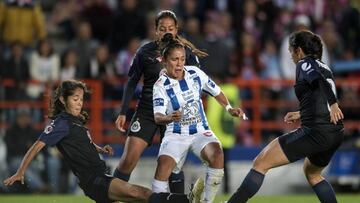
x=49 y=128
x=207 y=134
x=196 y=85
x=135 y=127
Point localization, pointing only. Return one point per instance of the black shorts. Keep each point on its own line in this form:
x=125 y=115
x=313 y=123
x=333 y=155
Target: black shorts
x=318 y=143
x=98 y=189
x=143 y=125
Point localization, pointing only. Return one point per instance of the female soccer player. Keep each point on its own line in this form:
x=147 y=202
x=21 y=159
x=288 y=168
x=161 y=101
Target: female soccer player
x=73 y=140
x=177 y=103
x=321 y=131
x=142 y=127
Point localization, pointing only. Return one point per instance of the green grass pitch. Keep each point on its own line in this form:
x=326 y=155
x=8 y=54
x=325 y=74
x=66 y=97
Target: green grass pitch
x=354 y=198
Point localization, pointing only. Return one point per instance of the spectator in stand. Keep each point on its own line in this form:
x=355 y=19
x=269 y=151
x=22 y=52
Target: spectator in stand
x=102 y=68
x=21 y=22
x=44 y=68
x=125 y=57
x=18 y=138
x=100 y=16
x=63 y=17
x=301 y=22
x=128 y=16
x=217 y=66
x=69 y=67
x=16 y=68
x=246 y=60
x=84 y=46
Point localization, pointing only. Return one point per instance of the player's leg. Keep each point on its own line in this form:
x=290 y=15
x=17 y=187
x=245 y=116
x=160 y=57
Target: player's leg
x=172 y=154
x=176 y=179
x=270 y=157
x=120 y=190
x=163 y=170
x=212 y=153
x=134 y=147
x=207 y=147
x=177 y=182
x=322 y=188
x=140 y=135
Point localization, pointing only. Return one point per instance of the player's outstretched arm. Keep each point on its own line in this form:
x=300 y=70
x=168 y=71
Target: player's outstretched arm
x=235 y=112
x=29 y=156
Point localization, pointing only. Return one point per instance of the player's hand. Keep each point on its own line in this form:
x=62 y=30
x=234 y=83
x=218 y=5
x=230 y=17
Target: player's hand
x=335 y=113
x=107 y=149
x=13 y=179
x=175 y=116
x=292 y=117
x=120 y=122
x=238 y=112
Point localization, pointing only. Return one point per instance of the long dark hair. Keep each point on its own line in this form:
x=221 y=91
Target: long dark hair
x=309 y=42
x=170 y=14
x=66 y=89
x=168 y=43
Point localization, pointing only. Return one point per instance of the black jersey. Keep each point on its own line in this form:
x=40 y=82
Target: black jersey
x=73 y=141
x=146 y=63
x=315 y=90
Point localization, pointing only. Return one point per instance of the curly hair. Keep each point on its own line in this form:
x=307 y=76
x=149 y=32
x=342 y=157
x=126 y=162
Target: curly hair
x=66 y=89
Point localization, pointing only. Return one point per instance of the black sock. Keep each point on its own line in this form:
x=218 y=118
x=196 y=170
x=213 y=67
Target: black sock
x=248 y=188
x=176 y=182
x=121 y=175
x=325 y=192
x=165 y=197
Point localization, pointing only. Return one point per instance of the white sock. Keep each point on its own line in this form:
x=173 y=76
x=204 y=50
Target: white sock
x=213 y=180
x=159 y=186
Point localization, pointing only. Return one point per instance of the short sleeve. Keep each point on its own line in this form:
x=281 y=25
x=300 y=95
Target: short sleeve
x=209 y=86
x=54 y=132
x=159 y=98
x=308 y=71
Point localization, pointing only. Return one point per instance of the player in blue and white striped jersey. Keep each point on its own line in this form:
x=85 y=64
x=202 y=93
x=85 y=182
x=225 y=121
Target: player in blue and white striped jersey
x=177 y=103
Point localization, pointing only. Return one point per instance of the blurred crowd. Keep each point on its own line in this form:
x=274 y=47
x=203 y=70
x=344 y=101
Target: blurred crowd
x=46 y=41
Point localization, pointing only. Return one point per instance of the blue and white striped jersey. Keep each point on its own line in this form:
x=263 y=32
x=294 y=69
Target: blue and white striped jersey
x=170 y=95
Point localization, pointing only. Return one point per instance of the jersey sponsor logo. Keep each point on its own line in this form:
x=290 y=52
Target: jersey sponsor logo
x=307 y=68
x=191 y=114
x=135 y=127
x=159 y=102
x=207 y=134
x=211 y=83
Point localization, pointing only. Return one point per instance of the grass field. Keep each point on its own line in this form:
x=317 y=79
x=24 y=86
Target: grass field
x=355 y=198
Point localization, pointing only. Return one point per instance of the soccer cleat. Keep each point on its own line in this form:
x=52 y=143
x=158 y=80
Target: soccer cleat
x=196 y=190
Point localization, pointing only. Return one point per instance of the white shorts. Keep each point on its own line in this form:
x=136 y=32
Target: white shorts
x=178 y=145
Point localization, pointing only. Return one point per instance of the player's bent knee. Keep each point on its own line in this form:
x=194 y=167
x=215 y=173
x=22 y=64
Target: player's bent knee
x=260 y=164
x=313 y=178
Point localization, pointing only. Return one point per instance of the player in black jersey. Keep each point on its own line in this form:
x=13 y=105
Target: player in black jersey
x=73 y=140
x=321 y=131
x=147 y=64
